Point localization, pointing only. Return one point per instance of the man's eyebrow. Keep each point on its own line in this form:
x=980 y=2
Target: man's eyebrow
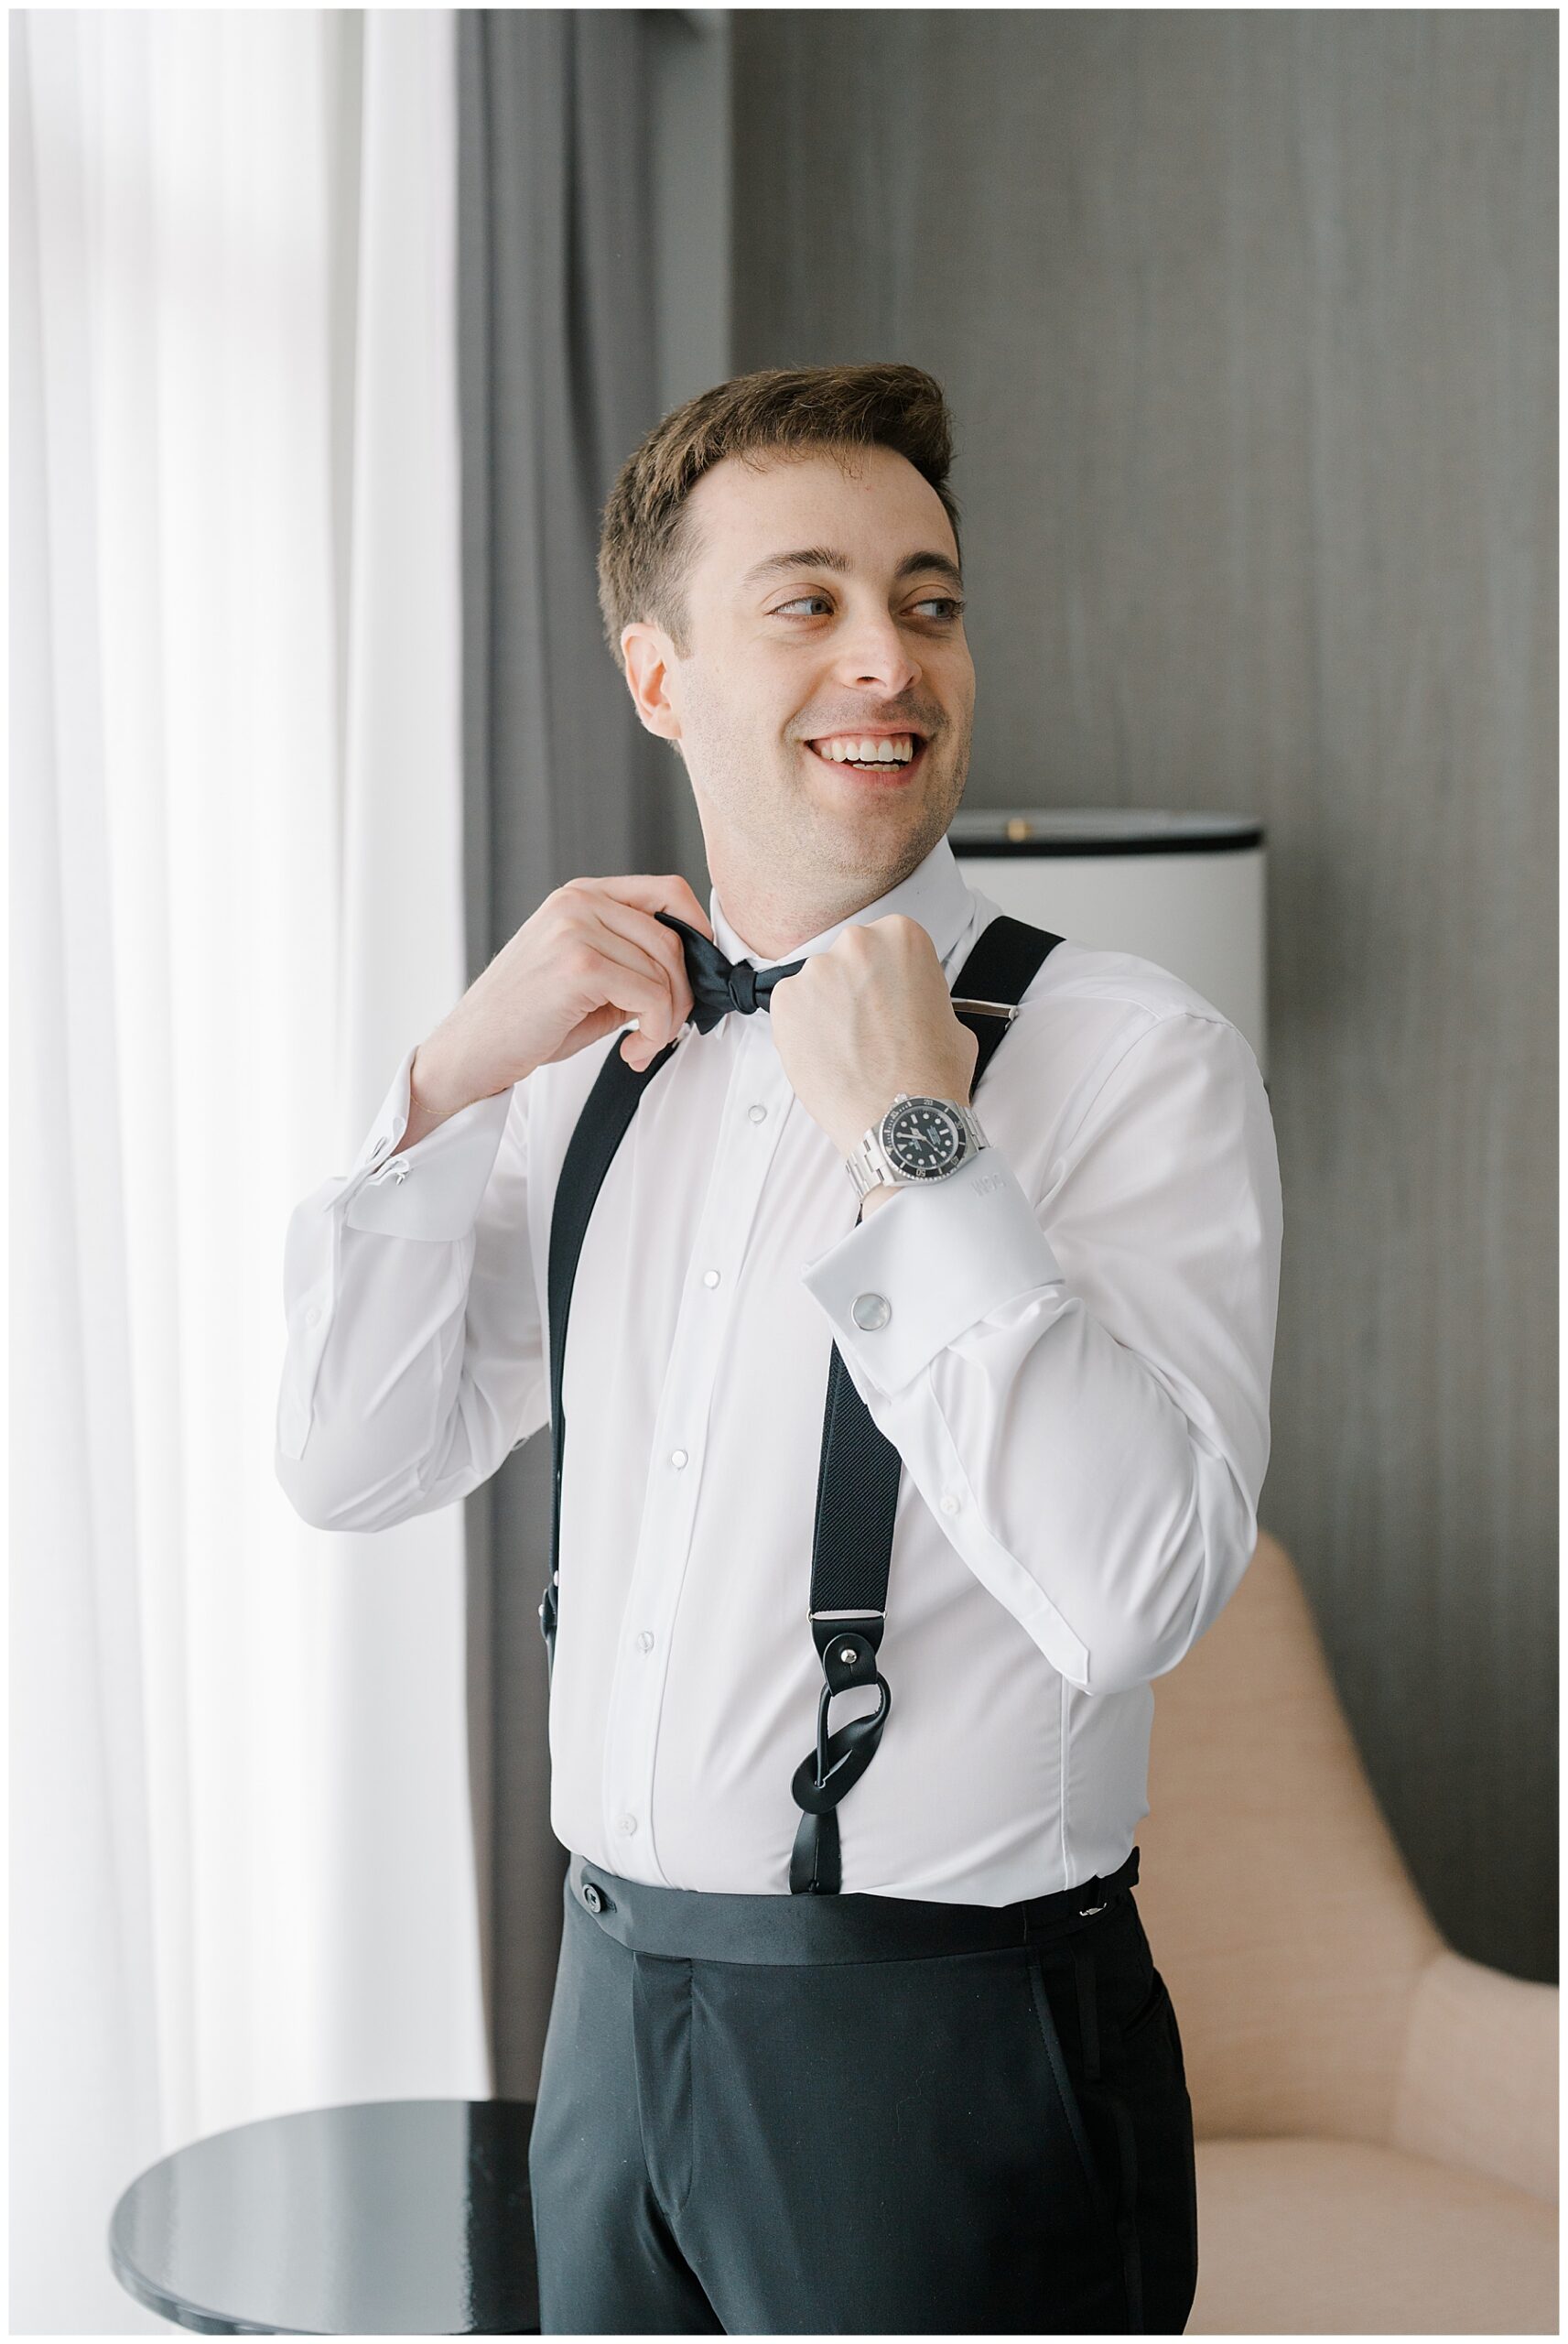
x=825 y=557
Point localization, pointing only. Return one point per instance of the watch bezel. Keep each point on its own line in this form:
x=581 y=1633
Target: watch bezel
x=954 y=1114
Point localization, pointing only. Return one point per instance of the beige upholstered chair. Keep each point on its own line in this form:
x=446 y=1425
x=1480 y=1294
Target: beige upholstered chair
x=1376 y=2114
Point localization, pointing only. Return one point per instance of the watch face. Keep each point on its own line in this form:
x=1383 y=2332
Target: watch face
x=924 y=1138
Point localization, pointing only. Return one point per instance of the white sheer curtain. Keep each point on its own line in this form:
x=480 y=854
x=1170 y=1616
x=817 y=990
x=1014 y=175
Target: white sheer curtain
x=243 y=1873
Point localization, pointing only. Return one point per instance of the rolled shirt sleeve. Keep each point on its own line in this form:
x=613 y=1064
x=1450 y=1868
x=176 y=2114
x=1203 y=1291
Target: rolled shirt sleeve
x=1078 y=1385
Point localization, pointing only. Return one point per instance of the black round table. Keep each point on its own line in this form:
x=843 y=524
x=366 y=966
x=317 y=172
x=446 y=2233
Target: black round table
x=396 y=2218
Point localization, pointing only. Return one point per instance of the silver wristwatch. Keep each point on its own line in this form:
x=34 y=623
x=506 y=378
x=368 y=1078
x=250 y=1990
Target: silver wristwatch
x=918 y=1139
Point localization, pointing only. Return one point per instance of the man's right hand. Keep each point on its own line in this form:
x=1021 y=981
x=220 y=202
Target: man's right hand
x=592 y=956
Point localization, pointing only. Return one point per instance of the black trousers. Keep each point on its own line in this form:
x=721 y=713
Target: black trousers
x=855 y=2115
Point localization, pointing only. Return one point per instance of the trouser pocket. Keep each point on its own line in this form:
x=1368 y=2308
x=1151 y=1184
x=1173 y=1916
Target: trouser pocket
x=1065 y=1973
x=1068 y=2096
x=1115 y=2014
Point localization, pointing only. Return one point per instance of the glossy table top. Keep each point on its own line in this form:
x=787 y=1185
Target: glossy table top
x=400 y=2217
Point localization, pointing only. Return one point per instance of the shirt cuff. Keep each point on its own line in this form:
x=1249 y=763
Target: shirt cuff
x=435 y=1197
x=433 y=1189
x=929 y=1263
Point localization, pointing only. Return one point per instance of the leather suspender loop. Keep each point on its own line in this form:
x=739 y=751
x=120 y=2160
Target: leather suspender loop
x=841 y=1758
x=820 y=1782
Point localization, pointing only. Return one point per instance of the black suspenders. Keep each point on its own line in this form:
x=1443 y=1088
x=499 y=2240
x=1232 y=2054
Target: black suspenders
x=858 y=1478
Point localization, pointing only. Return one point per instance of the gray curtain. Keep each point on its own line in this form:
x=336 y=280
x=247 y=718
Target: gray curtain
x=557 y=383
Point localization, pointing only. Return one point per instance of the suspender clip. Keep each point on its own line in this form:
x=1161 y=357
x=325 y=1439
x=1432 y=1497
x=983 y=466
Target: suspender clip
x=1006 y=1010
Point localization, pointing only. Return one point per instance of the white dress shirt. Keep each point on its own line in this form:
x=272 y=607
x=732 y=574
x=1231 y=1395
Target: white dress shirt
x=1075 y=1371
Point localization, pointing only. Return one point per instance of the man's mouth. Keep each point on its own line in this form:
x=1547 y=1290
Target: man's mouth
x=883 y=758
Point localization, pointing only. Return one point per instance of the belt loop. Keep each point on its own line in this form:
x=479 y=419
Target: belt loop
x=1088 y=2020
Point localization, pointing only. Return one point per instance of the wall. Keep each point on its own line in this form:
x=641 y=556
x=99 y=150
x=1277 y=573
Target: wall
x=1249 y=320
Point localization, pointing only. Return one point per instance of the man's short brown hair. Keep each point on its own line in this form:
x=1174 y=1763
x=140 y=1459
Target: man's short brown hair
x=646 y=546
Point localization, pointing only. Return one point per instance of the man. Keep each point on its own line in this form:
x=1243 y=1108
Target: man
x=942 y=2089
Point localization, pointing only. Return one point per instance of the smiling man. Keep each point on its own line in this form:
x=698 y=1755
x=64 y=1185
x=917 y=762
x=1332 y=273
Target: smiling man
x=914 y=1337
x=822 y=695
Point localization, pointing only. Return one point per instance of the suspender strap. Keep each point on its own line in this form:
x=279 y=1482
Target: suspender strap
x=600 y=1128
x=857 y=1484
x=858 y=1477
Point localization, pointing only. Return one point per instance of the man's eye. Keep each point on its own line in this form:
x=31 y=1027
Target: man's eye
x=949 y=602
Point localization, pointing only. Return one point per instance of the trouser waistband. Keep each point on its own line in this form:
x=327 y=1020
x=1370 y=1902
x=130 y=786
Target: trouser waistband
x=706 y=1925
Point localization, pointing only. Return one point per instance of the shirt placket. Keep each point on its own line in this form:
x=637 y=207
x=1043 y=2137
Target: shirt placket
x=757 y=1099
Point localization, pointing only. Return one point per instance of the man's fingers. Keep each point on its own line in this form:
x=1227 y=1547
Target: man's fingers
x=626 y=933
x=667 y=893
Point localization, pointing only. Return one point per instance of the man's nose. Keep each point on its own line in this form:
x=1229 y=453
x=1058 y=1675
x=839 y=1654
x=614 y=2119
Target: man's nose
x=874 y=652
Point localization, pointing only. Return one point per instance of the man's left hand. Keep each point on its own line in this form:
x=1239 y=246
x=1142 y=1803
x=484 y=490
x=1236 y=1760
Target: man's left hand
x=866 y=1019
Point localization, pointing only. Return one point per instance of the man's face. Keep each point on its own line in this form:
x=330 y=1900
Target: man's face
x=823 y=606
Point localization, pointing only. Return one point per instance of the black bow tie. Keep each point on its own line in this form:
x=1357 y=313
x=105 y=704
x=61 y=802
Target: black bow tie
x=717 y=984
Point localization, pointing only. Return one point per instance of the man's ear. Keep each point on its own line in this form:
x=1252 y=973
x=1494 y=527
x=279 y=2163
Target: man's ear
x=647 y=651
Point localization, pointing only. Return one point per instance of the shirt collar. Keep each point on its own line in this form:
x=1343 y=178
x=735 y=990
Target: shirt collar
x=936 y=894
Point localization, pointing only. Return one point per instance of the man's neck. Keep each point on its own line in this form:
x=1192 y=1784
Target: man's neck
x=775 y=925
x=773 y=935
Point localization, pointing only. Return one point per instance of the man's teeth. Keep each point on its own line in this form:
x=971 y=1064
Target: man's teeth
x=847 y=749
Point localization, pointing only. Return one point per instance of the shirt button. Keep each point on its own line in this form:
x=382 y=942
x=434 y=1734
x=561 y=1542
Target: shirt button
x=711 y=1278
x=677 y=1457
x=949 y=1503
x=871 y=1311
x=756 y=1110
x=591 y=1897
x=628 y=1824
x=645 y=1640
x=313 y=1316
